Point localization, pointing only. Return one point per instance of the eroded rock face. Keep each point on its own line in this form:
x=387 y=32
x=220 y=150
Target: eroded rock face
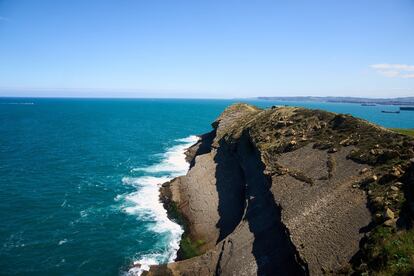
x=277 y=192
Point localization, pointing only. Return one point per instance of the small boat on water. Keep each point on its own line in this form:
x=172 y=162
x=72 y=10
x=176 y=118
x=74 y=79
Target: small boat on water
x=407 y=108
x=368 y=104
x=389 y=111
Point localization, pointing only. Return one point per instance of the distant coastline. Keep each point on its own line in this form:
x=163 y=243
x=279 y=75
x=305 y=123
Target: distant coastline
x=379 y=101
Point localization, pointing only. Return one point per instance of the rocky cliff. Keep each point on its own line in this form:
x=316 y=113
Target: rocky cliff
x=292 y=191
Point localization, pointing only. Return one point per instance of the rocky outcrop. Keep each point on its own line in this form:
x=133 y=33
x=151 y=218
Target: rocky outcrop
x=283 y=191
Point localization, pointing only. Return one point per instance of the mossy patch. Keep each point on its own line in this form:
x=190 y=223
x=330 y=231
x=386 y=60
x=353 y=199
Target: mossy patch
x=189 y=248
x=388 y=252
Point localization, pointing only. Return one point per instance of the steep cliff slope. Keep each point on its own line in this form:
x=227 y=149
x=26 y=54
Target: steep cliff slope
x=290 y=191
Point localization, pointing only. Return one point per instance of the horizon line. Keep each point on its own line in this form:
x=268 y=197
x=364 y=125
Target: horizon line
x=197 y=98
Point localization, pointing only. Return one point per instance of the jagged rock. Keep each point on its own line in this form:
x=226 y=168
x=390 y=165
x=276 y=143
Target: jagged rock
x=388 y=214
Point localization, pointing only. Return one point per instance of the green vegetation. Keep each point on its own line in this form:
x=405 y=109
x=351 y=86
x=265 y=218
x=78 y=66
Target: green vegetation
x=189 y=248
x=405 y=131
x=390 y=252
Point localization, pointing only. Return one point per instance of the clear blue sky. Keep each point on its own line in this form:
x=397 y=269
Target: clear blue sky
x=223 y=48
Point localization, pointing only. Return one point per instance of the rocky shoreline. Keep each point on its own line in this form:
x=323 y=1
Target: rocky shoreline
x=289 y=191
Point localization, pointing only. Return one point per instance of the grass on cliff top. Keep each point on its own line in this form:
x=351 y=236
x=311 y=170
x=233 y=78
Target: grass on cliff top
x=392 y=253
x=405 y=131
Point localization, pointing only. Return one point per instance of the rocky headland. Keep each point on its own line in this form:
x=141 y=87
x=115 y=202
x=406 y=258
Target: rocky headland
x=293 y=191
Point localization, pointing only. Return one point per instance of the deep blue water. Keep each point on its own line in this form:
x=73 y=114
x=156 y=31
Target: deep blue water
x=78 y=178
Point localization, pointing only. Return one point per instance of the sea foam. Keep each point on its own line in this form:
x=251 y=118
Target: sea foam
x=145 y=204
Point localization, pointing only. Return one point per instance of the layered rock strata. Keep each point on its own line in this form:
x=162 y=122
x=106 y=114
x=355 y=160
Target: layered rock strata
x=281 y=191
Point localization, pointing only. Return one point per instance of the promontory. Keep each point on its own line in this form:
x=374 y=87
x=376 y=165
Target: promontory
x=294 y=191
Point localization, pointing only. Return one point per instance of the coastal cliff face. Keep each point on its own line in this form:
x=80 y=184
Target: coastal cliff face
x=290 y=191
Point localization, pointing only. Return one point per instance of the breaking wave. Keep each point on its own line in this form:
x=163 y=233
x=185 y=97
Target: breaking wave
x=145 y=204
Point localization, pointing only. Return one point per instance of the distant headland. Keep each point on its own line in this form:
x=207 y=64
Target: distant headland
x=381 y=101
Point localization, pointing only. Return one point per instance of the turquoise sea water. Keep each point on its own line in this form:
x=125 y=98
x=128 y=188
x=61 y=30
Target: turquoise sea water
x=79 y=178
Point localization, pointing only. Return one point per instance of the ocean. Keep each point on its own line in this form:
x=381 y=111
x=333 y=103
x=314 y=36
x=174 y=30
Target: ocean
x=79 y=178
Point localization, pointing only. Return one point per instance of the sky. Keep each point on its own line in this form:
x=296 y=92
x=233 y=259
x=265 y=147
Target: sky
x=206 y=49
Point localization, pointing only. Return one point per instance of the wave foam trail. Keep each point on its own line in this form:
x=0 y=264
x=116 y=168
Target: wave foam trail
x=173 y=161
x=145 y=204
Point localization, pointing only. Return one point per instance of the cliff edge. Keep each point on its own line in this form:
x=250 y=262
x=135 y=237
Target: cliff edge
x=292 y=191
